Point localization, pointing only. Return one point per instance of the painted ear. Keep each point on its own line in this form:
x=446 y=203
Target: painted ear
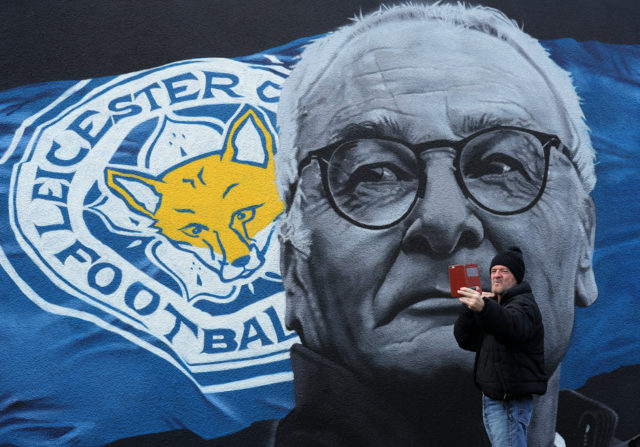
x=249 y=140
x=585 y=287
x=299 y=298
x=140 y=193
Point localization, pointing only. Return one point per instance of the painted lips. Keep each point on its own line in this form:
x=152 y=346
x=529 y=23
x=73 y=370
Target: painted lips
x=433 y=304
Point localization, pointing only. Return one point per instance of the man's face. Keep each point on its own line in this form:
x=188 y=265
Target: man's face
x=378 y=301
x=501 y=279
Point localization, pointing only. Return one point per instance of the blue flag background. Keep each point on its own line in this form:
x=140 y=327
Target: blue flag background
x=68 y=381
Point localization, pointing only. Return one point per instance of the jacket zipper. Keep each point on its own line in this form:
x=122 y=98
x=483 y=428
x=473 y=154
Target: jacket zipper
x=504 y=387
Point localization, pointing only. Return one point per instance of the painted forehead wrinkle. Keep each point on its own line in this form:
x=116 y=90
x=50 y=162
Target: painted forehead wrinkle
x=383 y=75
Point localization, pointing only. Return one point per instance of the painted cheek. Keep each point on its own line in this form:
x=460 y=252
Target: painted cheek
x=233 y=246
x=357 y=259
x=345 y=246
x=248 y=229
x=563 y=195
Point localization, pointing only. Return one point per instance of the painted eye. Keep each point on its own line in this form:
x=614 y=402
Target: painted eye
x=376 y=175
x=193 y=229
x=245 y=214
x=495 y=165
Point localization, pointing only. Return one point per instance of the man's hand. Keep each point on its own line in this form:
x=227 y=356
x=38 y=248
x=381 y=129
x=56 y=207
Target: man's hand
x=472 y=298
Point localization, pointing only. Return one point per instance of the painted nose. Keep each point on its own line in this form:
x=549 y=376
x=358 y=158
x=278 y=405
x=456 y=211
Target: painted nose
x=442 y=220
x=242 y=261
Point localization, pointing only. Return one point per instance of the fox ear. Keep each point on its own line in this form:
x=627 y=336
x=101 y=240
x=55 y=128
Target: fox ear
x=247 y=133
x=140 y=193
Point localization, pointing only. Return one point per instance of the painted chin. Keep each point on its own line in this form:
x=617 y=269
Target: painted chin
x=416 y=347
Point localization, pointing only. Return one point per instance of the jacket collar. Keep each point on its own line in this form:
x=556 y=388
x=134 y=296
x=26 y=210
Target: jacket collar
x=519 y=289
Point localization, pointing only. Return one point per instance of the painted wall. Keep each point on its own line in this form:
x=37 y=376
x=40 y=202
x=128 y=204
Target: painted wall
x=141 y=267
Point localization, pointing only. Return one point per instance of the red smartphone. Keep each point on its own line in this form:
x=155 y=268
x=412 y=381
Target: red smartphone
x=467 y=275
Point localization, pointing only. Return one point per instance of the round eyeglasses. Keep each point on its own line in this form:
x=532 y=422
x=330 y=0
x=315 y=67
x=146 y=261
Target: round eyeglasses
x=375 y=182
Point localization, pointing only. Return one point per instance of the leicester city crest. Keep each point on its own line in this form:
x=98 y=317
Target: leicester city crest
x=147 y=204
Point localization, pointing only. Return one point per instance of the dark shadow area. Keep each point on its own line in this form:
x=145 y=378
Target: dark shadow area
x=69 y=40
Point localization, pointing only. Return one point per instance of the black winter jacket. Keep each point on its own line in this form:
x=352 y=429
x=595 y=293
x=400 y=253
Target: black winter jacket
x=508 y=339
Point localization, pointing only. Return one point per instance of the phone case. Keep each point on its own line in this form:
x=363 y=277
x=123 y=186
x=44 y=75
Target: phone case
x=467 y=275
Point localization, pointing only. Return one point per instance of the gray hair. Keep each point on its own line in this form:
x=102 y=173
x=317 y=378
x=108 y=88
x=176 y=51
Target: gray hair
x=319 y=54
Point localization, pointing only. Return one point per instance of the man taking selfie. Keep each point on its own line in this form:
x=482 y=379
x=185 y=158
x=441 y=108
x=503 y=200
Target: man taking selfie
x=505 y=330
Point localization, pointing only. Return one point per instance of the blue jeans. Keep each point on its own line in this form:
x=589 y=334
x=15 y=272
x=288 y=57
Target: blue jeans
x=506 y=421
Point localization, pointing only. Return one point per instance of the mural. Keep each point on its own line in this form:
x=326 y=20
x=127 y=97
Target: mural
x=255 y=251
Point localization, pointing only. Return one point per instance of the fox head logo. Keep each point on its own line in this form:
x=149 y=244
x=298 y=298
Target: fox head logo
x=219 y=206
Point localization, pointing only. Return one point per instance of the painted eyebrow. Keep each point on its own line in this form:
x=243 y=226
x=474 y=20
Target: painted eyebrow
x=474 y=123
x=229 y=188
x=184 y=210
x=371 y=129
x=390 y=128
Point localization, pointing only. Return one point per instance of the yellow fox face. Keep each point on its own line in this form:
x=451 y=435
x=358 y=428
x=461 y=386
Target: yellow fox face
x=214 y=206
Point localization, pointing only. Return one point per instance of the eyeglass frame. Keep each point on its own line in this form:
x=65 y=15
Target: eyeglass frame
x=325 y=153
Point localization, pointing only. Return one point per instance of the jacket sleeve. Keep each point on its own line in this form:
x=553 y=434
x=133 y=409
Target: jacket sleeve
x=466 y=330
x=511 y=324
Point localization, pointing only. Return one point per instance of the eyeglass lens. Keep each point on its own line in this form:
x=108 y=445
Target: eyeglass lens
x=375 y=182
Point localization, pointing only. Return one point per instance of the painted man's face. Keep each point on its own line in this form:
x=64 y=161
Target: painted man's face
x=377 y=300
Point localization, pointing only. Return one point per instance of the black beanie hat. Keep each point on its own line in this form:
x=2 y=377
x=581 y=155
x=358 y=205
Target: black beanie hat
x=512 y=259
